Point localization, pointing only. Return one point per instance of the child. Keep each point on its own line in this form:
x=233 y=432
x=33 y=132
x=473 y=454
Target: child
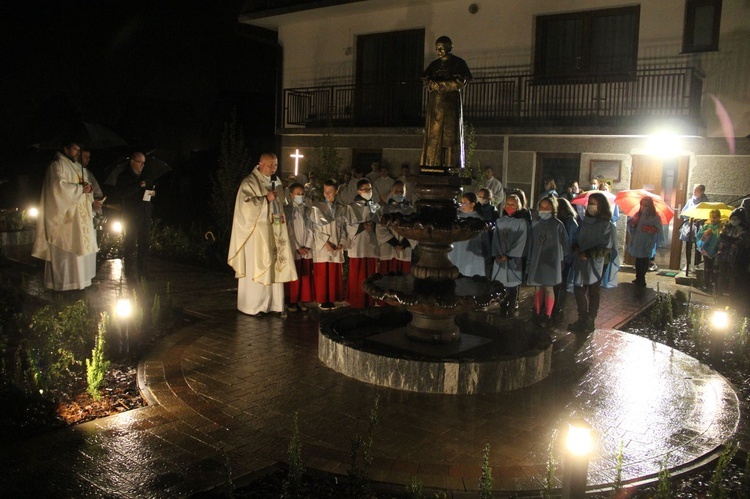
x=467 y=255
x=546 y=250
x=328 y=254
x=567 y=215
x=734 y=248
x=645 y=231
x=395 y=250
x=596 y=239
x=362 y=247
x=489 y=213
x=508 y=246
x=708 y=245
x=297 y=214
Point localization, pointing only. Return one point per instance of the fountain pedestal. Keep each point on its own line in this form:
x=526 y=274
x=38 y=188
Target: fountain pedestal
x=433 y=346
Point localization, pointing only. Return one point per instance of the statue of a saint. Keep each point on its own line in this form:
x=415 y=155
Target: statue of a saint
x=443 y=147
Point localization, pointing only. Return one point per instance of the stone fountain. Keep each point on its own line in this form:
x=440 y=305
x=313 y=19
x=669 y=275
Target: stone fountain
x=437 y=337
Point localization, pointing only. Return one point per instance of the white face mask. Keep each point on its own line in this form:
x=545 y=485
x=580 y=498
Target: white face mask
x=366 y=196
x=545 y=215
x=592 y=209
x=594 y=187
x=299 y=199
x=399 y=198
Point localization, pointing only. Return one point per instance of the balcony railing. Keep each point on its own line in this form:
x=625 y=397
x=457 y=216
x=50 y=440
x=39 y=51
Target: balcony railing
x=512 y=99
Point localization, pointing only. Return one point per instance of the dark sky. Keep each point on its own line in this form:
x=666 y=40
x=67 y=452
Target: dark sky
x=163 y=74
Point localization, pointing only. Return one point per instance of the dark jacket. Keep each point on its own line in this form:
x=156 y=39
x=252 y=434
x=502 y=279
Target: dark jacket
x=130 y=194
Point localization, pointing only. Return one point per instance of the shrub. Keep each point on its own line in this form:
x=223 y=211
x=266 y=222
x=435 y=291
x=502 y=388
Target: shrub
x=54 y=339
x=292 y=484
x=97 y=366
x=485 y=481
x=234 y=163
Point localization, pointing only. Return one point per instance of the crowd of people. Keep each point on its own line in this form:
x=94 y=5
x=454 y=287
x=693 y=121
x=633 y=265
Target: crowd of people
x=555 y=247
x=289 y=242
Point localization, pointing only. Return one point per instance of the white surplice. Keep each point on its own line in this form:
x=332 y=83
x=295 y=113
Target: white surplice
x=259 y=249
x=66 y=238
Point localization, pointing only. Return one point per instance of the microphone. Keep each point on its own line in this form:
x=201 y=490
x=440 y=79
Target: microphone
x=274 y=179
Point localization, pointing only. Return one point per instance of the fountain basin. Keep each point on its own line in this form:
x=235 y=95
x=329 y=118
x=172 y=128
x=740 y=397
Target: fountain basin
x=492 y=355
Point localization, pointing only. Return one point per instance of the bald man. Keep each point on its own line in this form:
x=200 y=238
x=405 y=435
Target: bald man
x=259 y=249
x=135 y=192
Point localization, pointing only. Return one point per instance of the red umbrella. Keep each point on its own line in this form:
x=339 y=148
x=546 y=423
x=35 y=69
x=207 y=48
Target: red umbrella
x=629 y=202
x=583 y=198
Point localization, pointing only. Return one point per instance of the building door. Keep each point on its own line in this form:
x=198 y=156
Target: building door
x=563 y=168
x=362 y=159
x=666 y=177
x=388 y=79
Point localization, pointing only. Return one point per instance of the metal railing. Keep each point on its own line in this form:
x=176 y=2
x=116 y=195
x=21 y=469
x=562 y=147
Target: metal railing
x=510 y=99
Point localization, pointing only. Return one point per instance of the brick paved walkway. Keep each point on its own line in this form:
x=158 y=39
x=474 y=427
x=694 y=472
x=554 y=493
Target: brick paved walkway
x=224 y=389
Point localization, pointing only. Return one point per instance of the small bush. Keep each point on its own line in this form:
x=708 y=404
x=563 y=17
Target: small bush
x=54 y=340
x=97 y=366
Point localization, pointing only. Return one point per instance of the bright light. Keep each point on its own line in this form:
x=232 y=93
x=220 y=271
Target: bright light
x=117 y=227
x=720 y=319
x=579 y=441
x=32 y=212
x=297 y=156
x=664 y=144
x=123 y=308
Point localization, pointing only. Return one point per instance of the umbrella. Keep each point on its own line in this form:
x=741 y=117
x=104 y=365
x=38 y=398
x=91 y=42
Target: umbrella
x=91 y=135
x=152 y=170
x=629 y=202
x=583 y=198
x=701 y=210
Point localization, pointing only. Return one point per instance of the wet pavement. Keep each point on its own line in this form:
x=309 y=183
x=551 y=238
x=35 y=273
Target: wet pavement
x=222 y=393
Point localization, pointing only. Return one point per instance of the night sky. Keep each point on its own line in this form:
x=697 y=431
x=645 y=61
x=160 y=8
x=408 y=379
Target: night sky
x=164 y=75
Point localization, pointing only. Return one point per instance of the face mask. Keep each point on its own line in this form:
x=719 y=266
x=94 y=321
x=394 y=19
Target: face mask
x=299 y=199
x=592 y=209
x=510 y=211
x=594 y=187
x=734 y=221
x=483 y=201
x=399 y=198
x=545 y=215
x=366 y=196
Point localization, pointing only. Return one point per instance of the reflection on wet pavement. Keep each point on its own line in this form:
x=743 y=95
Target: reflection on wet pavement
x=225 y=390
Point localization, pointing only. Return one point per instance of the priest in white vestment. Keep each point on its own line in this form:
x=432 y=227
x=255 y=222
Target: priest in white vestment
x=65 y=234
x=259 y=249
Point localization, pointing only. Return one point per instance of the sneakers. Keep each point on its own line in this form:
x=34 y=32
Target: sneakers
x=653 y=267
x=327 y=306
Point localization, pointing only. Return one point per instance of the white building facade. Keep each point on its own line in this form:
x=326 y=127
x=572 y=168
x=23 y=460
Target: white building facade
x=653 y=94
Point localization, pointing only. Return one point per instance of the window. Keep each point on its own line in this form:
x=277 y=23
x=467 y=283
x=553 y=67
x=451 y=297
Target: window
x=389 y=85
x=601 y=43
x=702 y=21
